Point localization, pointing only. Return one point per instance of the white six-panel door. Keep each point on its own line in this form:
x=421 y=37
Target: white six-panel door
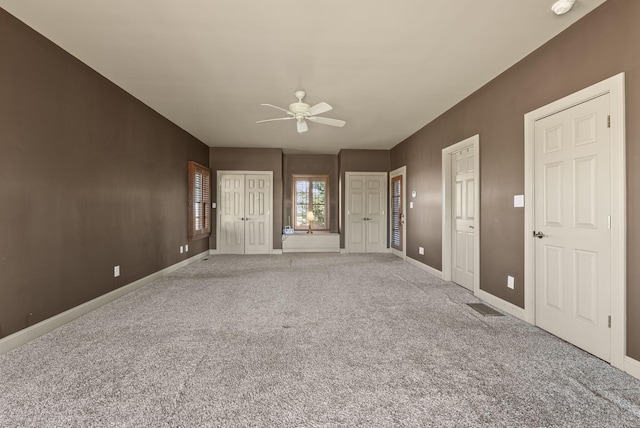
x=256 y=211
x=464 y=211
x=572 y=220
x=231 y=214
x=366 y=199
x=245 y=213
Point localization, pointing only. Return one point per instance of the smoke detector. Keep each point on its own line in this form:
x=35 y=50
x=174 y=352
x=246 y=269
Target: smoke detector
x=562 y=6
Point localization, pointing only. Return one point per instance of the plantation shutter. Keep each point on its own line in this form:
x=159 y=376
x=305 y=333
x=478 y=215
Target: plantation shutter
x=199 y=201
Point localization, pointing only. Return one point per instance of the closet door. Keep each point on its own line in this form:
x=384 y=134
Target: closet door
x=376 y=223
x=231 y=208
x=256 y=213
x=245 y=213
x=366 y=218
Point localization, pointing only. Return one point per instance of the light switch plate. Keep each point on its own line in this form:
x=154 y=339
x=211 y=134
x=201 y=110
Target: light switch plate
x=518 y=201
x=116 y=271
x=410 y=204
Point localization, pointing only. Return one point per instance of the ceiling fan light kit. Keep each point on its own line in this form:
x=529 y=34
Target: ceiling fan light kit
x=302 y=112
x=562 y=6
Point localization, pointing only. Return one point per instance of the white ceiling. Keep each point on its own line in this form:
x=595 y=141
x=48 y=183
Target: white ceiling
x=387 y=67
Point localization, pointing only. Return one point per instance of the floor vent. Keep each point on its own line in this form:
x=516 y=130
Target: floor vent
x=485 y=310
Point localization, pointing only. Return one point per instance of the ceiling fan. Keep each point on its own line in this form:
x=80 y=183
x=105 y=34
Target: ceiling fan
x=302 y=112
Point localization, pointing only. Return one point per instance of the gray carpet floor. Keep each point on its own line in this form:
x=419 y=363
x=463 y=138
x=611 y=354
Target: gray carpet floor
x=308 y=340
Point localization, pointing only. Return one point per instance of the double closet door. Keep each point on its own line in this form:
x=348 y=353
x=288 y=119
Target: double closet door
x=366 y=199
x=245 y=213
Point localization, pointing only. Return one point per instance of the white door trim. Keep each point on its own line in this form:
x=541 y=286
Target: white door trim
x=446 y=208
x=218 y=175
x=393 y=174
x=614 y=86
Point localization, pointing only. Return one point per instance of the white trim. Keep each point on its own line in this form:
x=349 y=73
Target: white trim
x=503 y=305
x=632 y=367
x=614 y=86
x=446 y=208
x=224 y=172
x=402 y=171
x=347 y=176
x=214 y=252
x=276 y=252
x=21 y=337
x=317 y=242
x=432 y=271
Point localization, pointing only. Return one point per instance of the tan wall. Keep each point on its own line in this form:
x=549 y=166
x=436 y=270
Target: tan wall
x=90 y=178
x=601 y=45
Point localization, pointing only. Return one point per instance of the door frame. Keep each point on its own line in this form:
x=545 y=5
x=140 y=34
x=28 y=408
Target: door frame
x=347 y=195
x=225 y=172
x=402 y=171
x=614 y=86
x=447 y=202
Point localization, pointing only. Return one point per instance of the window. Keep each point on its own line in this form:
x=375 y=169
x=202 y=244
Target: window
x=199 y=201
x=311 y=193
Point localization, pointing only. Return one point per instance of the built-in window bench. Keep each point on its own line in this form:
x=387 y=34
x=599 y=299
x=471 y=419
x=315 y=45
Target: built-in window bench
x=316 y=242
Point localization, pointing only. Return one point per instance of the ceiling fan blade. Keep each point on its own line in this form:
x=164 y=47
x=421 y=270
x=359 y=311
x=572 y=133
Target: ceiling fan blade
x=302 y=126
x=279 y=118
x=279 y=108
x=327 y=121
x=319 y=109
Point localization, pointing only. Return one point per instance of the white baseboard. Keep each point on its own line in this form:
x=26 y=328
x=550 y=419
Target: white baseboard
x=214 y=252
x=632 y=367
x=21 y=337
x=503 y=305
x=276 y=251
x=427 y=268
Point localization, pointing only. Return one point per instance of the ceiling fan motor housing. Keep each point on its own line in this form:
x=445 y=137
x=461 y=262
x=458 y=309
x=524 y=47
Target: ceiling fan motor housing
x=298 y=108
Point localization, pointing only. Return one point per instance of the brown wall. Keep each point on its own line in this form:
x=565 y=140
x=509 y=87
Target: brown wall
x=90 y=178
x=312 y=165
x=350 y=160
x=601 y=45
x=234 y=159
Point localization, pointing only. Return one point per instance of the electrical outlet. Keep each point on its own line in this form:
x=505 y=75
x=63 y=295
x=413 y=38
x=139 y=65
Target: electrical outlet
x=181 y=249
x=510 y=282
x=116 y=271
x=186 y=248
x=421 y=251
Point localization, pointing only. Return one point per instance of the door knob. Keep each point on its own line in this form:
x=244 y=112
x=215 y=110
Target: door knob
x=538 y=235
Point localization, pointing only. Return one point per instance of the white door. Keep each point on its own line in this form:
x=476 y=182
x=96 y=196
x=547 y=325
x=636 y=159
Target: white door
x=463 y=212
x=572 y=220
x=366 y=215
x=245 y=218
x=256 y=213
x=231 y=211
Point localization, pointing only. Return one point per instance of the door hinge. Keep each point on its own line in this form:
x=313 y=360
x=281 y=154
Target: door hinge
x=609 y=321
x=609 y=121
